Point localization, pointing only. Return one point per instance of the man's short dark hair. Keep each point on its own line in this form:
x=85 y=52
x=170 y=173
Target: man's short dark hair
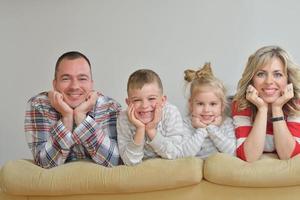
x=71 y=55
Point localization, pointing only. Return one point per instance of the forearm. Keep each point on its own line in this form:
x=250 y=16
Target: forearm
x=254 y=143
x=283 y=139
x=95 y=137
x=223 y=138
x=193 y=142
x=49 y=149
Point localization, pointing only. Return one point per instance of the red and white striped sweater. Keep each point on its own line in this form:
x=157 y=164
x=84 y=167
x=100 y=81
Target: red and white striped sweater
x=243 y=125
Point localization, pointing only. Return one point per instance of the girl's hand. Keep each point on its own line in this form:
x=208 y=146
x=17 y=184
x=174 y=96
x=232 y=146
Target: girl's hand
x=218 y=121
x=196 y=122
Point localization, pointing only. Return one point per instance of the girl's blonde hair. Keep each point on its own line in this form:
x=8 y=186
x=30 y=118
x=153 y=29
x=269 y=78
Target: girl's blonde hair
x=260 y=58
x=205 y=77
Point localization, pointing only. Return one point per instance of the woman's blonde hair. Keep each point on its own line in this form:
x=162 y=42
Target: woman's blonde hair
x=205 y=77
x=260 y=58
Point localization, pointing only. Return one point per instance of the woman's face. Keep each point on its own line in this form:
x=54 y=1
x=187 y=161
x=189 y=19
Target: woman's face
x=270 y=80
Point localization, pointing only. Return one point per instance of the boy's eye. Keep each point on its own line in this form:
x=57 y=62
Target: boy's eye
x=213 y=104
x=152 y=99
x=199 y=103
x=136 y=100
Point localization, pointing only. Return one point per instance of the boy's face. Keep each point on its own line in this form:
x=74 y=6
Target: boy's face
x=145 y=100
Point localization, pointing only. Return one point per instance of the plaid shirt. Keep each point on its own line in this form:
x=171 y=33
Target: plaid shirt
x=52 y=144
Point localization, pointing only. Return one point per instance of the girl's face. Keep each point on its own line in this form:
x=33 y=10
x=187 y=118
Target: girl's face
x=205 y=104
x=270 y=80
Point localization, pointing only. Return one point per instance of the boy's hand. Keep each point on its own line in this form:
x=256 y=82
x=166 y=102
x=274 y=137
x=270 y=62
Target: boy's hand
x=151 y=126
x=132 y=119
x=86 y=106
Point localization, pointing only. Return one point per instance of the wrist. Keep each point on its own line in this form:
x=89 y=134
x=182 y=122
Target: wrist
x=276 y=119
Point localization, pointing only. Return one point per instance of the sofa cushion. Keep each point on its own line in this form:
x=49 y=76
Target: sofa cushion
x=269 y=171
x=22 y=177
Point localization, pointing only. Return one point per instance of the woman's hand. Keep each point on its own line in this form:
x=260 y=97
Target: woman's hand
x=252 y=96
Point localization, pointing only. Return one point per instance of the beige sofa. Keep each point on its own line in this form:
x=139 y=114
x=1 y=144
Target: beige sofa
x=219 y=177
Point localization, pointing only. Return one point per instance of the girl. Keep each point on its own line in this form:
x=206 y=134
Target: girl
x=208 y=128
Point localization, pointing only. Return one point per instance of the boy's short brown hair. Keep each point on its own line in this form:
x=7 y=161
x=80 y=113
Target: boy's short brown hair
x=141 y=77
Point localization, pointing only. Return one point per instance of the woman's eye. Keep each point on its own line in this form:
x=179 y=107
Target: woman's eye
x=260 y=74
x=278 y=75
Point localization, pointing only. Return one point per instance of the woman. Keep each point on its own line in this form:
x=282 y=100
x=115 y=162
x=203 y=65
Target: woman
x=266 y=108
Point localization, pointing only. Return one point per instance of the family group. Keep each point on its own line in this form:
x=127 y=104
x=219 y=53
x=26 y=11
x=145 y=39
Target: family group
x=73 y=121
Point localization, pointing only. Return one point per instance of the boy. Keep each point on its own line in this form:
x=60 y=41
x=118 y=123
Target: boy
x=150 y=127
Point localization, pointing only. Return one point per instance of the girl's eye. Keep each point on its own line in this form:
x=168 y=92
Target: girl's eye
x=213 y=104
x=136 y=100
x=152 y=99
x=199 y=104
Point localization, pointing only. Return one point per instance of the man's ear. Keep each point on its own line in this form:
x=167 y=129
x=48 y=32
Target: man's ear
x=54 y=84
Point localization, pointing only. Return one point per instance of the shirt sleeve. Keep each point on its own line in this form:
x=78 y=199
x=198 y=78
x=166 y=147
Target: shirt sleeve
x=170 y=133
x=293 y=124
x=130 y=152
x=243 y=125
x=98 y=134
x=49 y=143
x=223 y=137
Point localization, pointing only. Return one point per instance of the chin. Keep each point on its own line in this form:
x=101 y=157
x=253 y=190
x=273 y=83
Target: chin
x=270 y=99
x=145 y=121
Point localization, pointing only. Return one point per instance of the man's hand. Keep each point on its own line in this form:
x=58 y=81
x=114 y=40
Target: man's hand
x=57 y=102
x=86 y=106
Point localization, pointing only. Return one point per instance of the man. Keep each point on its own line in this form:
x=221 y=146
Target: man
x=73 y=121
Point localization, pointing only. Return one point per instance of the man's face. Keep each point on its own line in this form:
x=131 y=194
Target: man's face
x=73 y=81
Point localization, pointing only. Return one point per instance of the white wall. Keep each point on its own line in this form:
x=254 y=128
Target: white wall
x=120 y=36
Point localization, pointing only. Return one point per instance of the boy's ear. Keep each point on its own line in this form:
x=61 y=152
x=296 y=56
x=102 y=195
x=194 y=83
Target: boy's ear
x=127 y=101
x=164 y=100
